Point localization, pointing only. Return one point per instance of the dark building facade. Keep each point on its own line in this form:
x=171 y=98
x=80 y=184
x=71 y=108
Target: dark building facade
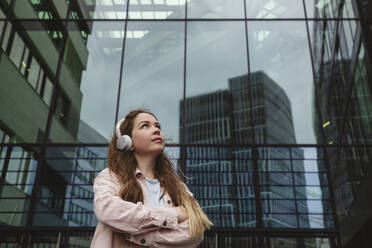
x=264 y=104
x=29 y=58
x=222 y=173
x=342 y=59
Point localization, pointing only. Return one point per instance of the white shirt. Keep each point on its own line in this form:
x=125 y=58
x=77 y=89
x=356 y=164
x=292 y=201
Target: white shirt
x=153 y=188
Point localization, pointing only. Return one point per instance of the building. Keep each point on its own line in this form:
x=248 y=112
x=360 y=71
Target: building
x=224 y=174
x=343 y=91
x=32 y=69
x=255 y=99
x=89 y=160
x=209 y=120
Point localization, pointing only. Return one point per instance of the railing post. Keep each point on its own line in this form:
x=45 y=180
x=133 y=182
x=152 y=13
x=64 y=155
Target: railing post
x=216 y=239
x=58 y=245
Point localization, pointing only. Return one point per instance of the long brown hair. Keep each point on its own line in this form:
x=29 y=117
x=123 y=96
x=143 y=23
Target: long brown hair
x=123 y=164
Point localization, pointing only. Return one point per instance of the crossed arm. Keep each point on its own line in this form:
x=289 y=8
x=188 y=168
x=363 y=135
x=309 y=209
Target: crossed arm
x=159 y=225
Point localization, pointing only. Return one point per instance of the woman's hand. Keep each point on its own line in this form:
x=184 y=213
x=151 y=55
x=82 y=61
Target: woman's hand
x=181 y=214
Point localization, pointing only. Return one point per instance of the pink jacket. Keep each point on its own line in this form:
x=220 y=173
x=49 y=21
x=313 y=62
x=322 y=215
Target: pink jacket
x=126 y=224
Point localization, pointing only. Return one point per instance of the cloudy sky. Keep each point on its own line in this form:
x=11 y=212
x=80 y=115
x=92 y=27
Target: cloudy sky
x=216 y=51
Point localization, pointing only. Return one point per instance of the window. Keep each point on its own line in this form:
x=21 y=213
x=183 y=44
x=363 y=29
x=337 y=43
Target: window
x=50 y=199
x=48 y=91
x=45 y=11
x=7 y=28
x=4 y=138
x=2 y=24
x=34 y=73
x=17 y=49
x=40 y=81
x=24 y=61
x=62 y=106
x=21 y=169
x=79 y=215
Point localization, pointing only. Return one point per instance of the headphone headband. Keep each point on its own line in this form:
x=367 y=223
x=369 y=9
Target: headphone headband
x=117 y=129
x=123 y=142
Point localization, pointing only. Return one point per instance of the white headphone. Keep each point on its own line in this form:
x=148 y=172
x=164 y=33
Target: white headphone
x=124 y=142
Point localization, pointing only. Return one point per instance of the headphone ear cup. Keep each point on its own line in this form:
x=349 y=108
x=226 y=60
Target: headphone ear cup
x=128 y=141
x=124 y=142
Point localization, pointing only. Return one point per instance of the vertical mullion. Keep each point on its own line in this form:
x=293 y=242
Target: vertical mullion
x=256 y=178
x=294 y=187
x=74 y=173
x=183 y=109
x=122 y=63
x=219 y=185
x=256 y=183
x=6 y=162
x=5 y=168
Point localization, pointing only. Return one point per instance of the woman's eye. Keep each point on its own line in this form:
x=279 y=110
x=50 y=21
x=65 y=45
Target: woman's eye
x=146 y=125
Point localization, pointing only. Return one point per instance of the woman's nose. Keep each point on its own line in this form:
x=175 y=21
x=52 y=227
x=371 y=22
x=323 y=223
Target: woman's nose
x=156 y=130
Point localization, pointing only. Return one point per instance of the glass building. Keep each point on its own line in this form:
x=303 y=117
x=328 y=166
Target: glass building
x=265 y=105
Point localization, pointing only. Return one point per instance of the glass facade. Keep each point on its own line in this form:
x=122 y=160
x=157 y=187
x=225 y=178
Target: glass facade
x=266 y=108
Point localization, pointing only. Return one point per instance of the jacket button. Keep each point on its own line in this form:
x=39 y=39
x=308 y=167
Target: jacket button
x=169 y=202
x=165 y=223
x=143 y=241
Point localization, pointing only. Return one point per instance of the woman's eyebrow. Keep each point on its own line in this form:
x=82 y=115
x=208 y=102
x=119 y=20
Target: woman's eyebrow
x=156 y=123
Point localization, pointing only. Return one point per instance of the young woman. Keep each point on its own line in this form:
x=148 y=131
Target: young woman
x=139 y=201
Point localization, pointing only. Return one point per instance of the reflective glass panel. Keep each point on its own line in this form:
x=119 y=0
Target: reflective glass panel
x=241 y=240
x=347 y=173
x=347 y=40
x=275 y=153
x=79 y=238
x=277 y=165
x=157 y=9
x=28 y=67
x=296 y=242
x=209 y=241
x=17 y=50
x=274 y=9
x=70 y=195
x=21 y=169
x=44 y=239
x=359 y=127
x=14 y=206
x=314 y=206
x=316 y=221
x=47 y=92
x=215 y=9
x=277 y=192
x=2 y=16
x=7 y=27
x=34 y=73
x=217 y=88
x=285 y=106
x=173 y=154
x=89 y=80
x=153 y=73
x=11 y=239
x=99 y=9
x=330 y=9
x=279 y=221
x=17 y=188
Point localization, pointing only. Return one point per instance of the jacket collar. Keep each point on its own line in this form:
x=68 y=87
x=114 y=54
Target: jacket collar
x=139 y=174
